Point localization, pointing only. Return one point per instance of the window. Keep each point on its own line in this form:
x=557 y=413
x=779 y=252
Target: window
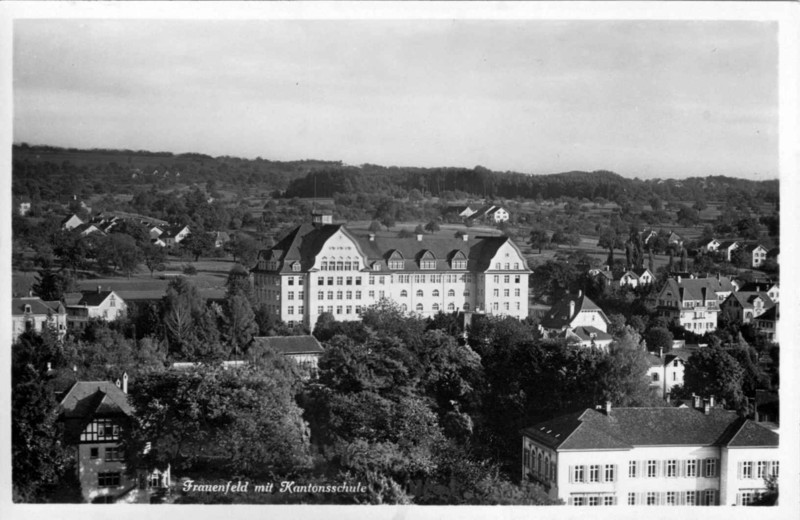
x=339 y=280
x=113 y=454
x=435 y=293
x=300 y=295
x=578 y=474
x=516 y=265
x=100 y=430
x=691 y=498
x=579 y=501
x=419 y=307
x=348 y=309
x=710 y=468
x=496 y=278
x=338 y=295
x=466 y=306
x=451 y=293
x=516 y=279
x=652 y=468
x=655 y=377
x=330 y=295
x=672 y=499
x=396 y=264
x=358 y=281
x=108 y=479
x=691 y=468
x=320 y=309
x=300 y=309
x=710 y=495
x=349 y=280
x=358 y=295
x=594 y=501
x=419 y=293
x=506 y=278
x=371 y=294
x=631 y=499
x=435 y=307
x=516 y=292
x=349 y=295
x=290 y=295
x=338 y=309
x=466 y=293
x=609 y=500
x=330 y=280
x=610 y=475
x=747 y=469
x=761 y=469
x=632 y=469
x=321 y=295
x=672 y=468
x=94 y=453
x=451 y=307
x=290 y=310
x=506 y=293
x=404 y=294
x=497 y=266
x=594 y=473
x=372 y=280
x=652 y=498
x=774 y=468
x=747 y=498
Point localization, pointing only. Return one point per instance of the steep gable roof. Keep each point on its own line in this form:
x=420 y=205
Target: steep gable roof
x=693 y=287
x=589 y=333
x=88 y=398
x=37 y=305
x=94 y=298
x=559 y=315
x=745 y=299
x=625 y=428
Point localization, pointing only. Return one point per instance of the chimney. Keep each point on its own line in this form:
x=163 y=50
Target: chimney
x=580 y=293
x=704 y=292
x=49 y=366
x=372 y=237
x=98 y=288
x=608 y=407
x=125 y=382
x=706 y=407
x=118 y=383
x=680 y=293
x=679 y=278
x=465 y=237
x=661 y=352
x=419 y=238
x=695 y=400
x=571 y=308
x=711 y=401
x=719 y=278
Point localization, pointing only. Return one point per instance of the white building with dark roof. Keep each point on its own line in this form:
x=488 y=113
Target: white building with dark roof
x=578 y=317
x=326 y=267
x=304 y=350
x=106 y=305
x=694 y=303
x=651 y=456
x=32 y=314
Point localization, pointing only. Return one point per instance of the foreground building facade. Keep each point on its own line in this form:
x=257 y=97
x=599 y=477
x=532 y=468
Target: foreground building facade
x=324 y=267
x=651 y=456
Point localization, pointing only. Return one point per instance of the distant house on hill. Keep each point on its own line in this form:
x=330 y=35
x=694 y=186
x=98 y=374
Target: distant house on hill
x=756 y=253
x=771 y=288
x=747 y=305
x=727 y=248
x=490 y=213
x=636 y=277
x=174 y=235
x=767 y=323
x=221 y=238
x=71 y=222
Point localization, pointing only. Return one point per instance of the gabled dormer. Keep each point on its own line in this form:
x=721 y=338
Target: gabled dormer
x=458 y=260
x=427 y=260
x=396 y=260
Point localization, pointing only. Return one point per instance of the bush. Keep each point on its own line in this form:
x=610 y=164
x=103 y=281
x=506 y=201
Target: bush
x=189 y=269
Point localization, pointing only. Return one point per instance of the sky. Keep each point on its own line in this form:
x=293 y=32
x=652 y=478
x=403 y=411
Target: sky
x=642 y=98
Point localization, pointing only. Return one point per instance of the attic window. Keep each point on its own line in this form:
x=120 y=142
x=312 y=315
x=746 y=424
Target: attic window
x=558 y=434
x=396 y=260
x=542 y=428
x=296 y=266
x=459 y=261
x=428 y=261
x=27 y=309
x=376 y=266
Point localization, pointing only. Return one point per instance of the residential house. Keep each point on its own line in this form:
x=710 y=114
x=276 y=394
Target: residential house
x=578 y=317
x=747 y=305
x=772 y=289
x=221 y=238
x=173 y=235
x=325 y=267
x=726 y=249
x=32 y=314
x=87 y=229
x=648 y=235
x=86 y=305
x=155 y=231
x=712 y=246
x=24 y=208
x=636 y=277
x=71 y=222
x=756 y=253
x=767 y=323
x=490 y=213
x=767 y=409
x=675 y=238
x=604 y=275
x=303 y=350
x=693 y=303
x=690 y=456
x=94 y=413
x=666 y=370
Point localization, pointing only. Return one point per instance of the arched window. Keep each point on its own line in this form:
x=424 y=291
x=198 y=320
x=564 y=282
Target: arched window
x=451 y=307
x=419 y=307
x=655 y=377
x=436 y=293
x=340 y=266
x=435 y=307
x=419 y=293
x=547 y=467
x=404 y=294
x=427 y=261
x=466 y=306
x=466 y=292
x=539 y=463
x=404 y=307
x=324 y=266
x=553 y=471
x=451 y=293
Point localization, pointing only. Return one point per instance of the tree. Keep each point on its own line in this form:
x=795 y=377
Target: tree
x=52 y=286
x=419 y=230
x=198 y=243
x=153 y=256
x=539 y=239
x=241 y=421
x=374 y=226
x=120 y=251
x=624 y=372
x=712 y=371
x=610 y=239
x=658 y=338
x=687 y=216
x=243 y=248
x=241 y=324
x=189 y=325
x=39 y=460
x=432 y=226
x=740 y=257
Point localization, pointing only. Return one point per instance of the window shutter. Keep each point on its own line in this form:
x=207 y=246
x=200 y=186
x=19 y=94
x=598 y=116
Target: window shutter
x=585 y=474
x=682 y=468
x=616 y=470
x=571 y=476
x=739 y=473
x=570 y=500
x=681 y=498
x=738 y=497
